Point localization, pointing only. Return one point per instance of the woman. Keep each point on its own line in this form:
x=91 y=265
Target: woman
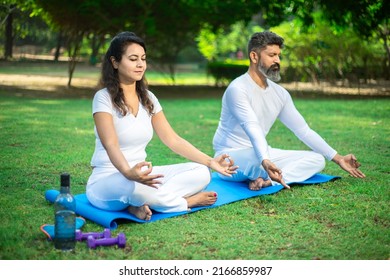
x=125 y=113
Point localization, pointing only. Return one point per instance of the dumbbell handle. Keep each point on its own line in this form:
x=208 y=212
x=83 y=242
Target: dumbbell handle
x=80 y=236
x=120 y=240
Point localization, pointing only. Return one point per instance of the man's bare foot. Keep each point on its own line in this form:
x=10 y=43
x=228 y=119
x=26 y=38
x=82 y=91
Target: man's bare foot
x=201 y=199
x=142 y=212
x=258 y=184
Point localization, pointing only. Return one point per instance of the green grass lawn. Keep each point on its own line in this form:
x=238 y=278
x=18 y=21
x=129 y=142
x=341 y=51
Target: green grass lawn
x=346 y=219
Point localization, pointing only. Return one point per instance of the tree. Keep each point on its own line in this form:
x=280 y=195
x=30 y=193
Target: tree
x=369 y=18
x=324 y=53
x=170 y=26
x=167 y=26
x=17 y=19
x=8 y=9
x=314 y=49
x=9 y=36
x=75 y=20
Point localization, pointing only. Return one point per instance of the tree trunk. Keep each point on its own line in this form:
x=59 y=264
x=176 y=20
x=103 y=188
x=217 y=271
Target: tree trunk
x=58 y=47
x=384 y=35
x=172 y=72
x=72 y=62
x=9 y=38
x=96 y=42
x=74 y=46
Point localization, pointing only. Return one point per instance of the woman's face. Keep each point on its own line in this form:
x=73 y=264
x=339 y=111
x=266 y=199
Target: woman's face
x=132 y=66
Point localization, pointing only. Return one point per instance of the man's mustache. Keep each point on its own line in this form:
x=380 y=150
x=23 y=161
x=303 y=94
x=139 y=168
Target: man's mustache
x=274 y=67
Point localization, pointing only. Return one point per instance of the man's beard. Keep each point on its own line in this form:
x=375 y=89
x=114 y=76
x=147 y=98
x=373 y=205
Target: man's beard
x=272 y=73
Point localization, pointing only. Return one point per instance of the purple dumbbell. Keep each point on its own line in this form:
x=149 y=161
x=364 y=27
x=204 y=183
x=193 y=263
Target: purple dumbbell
x=120 y=240
x=80 y=236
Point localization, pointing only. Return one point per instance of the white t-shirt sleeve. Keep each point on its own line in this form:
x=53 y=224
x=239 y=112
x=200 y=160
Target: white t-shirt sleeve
x=241 y=109
x=157 y=106
x=102 y=102
x=292 y=119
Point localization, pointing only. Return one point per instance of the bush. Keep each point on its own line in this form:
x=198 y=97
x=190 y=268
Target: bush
x=225 y=72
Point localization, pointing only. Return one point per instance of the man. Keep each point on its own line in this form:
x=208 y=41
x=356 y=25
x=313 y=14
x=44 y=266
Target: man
x=250 y=106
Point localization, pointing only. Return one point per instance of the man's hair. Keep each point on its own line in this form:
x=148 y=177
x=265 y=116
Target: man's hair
x=261 y=40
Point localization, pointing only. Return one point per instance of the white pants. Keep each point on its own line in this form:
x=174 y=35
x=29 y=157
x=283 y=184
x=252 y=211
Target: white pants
x=108 y=189
x=296 y=166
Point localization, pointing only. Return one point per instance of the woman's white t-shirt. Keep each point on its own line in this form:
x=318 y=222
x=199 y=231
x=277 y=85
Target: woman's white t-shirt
x=133 y=132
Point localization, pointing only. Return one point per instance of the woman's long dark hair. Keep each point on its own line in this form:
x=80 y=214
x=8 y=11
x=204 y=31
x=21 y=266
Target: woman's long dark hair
x=110 y=78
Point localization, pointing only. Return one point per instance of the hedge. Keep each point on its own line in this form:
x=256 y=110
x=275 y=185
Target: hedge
x=225 y=72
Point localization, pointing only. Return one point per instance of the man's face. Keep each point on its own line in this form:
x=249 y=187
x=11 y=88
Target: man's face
x=269 y=64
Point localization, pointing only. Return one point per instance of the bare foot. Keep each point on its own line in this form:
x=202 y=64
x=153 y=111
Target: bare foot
x=201 y=199
x=142 y=212
x=258 y=184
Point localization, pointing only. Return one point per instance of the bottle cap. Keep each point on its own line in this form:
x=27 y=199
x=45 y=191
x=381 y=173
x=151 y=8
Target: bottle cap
x=65 y=179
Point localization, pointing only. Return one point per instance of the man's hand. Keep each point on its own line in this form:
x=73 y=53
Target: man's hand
x=274 y=173
x=350 y=164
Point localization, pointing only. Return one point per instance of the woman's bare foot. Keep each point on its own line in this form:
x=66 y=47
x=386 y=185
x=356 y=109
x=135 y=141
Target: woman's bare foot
x=201 y=199
x=142 y=212
x=258 y=184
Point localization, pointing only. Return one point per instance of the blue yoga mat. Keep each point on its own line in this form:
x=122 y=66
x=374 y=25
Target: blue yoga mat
x=227 y=192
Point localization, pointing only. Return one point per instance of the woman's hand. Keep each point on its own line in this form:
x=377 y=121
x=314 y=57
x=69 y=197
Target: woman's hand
x=141 y=173
x=350 y=164
x=223 y=164
x=274 y=173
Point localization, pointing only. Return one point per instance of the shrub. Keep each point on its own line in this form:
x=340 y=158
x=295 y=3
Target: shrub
x=225 y=71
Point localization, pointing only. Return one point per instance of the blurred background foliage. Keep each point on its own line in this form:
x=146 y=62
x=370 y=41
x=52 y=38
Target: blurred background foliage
x=325 y=40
